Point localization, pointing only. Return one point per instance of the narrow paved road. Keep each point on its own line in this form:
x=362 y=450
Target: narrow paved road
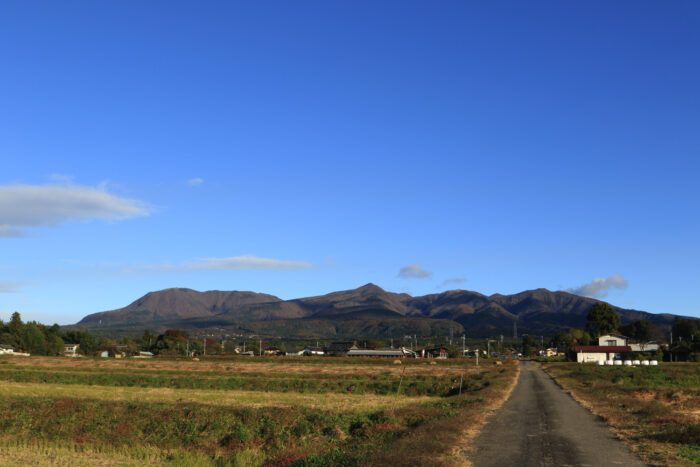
x=541 y=425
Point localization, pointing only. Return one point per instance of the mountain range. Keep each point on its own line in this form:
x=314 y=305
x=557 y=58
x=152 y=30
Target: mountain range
x=367 y=311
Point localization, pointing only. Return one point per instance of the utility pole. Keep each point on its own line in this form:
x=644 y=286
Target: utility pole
x=260 y=348
x=188 y=348
x=205 y=345
x=488 y=346
x=515 y=330
x=451 y=332
x=463 y=349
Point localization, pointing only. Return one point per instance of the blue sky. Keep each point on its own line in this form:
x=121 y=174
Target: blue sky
x=298 y=148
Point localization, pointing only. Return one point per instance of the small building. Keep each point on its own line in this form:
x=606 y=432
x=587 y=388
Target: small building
x=104 y=353
x=313 y=351
x=273 y=351
x=293 y=352
x=435 y=352
x=71 y=350
x=6 y=349
x=596 y=353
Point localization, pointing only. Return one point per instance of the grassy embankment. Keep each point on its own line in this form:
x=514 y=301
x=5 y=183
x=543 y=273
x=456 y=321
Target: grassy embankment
x=318 y=411
x=656 y=410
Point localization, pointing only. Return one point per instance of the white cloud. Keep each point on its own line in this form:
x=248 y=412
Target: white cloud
x=9 y=287
x=195 y=181
x=27 y=206
x=599 y=287
x=455 y=280
x=233 y=262
x=414 y=271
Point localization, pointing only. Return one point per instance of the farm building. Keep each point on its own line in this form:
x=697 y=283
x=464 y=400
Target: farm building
x=71 y=350
x=403 y=352
x=596 y=353
x=6 y=349
x=435 y=352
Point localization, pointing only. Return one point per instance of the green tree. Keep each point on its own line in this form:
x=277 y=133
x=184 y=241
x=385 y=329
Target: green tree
x=686 y=330
x=16 y=326
x=54 y=345
x=33 y=340
x=640 y=331
x=602 y=319
x=452 y=351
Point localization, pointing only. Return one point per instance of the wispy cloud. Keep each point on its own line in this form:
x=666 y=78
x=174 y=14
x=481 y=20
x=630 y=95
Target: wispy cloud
x=27 y=206
x=233 y=262
x=245 y=262
x=195 y=181
x=414 y=271
x=454 y=280
x=599 y=287
x=10 y=287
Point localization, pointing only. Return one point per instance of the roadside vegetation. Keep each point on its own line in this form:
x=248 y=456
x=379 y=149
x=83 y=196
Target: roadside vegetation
x=289 y=412
x=656 y=410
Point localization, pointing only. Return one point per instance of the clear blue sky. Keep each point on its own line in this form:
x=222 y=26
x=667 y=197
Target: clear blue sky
x=298 y=148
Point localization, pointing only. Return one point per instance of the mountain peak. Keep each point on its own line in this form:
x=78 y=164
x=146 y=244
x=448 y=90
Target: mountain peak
x=370 y=287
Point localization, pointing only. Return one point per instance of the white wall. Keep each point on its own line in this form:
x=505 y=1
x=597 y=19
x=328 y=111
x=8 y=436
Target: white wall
x=586 y=357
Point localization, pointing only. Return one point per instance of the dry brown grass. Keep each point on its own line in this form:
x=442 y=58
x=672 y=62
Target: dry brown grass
x=440 y=444
x=286 y=365
x=330 y=401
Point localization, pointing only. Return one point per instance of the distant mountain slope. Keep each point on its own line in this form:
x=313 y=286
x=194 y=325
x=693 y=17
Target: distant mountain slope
x=368 y=310
x=175 y=304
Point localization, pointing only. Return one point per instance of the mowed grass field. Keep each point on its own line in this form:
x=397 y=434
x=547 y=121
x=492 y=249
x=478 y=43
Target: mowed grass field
x=656 y=410
x=244 y=411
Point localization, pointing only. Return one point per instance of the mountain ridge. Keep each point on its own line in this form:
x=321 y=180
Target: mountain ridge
x=368 y=307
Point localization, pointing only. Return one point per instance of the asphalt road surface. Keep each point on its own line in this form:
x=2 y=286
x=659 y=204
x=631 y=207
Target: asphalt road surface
x=541 y=425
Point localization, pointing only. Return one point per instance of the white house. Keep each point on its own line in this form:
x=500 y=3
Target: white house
x=71 y=350
x=6 y=349
x=609 y=346
x=612 y=339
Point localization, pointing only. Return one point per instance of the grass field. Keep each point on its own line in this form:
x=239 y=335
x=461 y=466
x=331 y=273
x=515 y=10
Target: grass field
x=275 y=412
x=654 y=409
